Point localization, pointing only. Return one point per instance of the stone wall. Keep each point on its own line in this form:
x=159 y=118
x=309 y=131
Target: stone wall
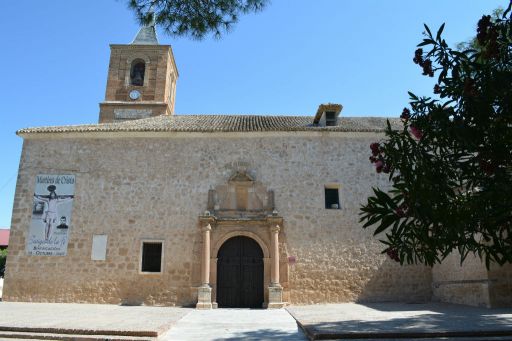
x=500 y=278
x=155 y=187
x=112 y=112
x=462 y=284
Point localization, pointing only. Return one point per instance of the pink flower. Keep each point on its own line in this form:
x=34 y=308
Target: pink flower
x=418 y=134
x=393 y=254
x=375 y=148
x=378 y=166
x=406 y=114
x=402 y=210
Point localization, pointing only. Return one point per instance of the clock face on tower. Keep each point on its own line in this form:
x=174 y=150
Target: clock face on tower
x=134 y=94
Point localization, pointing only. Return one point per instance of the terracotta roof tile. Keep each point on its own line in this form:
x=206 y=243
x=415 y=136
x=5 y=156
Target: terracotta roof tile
x=224 y=123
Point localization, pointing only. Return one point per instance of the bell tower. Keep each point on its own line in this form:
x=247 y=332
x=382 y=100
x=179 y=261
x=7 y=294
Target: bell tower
x=141 y=79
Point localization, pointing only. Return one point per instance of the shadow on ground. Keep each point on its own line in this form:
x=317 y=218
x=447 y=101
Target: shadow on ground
x=412 y=320
x=265 y=334
x=427 y=322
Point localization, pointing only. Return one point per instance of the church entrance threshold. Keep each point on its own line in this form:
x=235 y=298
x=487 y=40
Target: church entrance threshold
x=240 y=274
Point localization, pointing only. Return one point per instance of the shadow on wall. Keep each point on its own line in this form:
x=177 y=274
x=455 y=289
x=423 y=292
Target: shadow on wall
x=501 y=285
x=392 y=282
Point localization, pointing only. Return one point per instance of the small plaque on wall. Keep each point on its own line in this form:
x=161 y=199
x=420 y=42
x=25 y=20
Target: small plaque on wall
x=99 y=247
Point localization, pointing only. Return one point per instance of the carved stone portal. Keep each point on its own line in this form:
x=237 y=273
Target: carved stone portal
x=242 y=207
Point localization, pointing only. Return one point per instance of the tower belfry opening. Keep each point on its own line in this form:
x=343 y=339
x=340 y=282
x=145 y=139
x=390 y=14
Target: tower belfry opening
x=137 y=72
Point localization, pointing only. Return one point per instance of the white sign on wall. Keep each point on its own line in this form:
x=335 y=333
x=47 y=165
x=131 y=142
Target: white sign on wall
x=99 y=247
x=51 y=215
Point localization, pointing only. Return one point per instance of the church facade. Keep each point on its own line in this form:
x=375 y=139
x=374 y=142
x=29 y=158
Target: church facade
x=150 y=207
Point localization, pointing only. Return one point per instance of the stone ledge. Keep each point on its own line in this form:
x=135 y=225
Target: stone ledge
x=277 y=305
x=314 y=334
x=68 y=337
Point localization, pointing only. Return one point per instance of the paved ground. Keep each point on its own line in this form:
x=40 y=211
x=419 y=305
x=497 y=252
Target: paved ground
x=397 y=320
x=236 y=324
x=88 y=318
x=355 y=321
x=184 y=323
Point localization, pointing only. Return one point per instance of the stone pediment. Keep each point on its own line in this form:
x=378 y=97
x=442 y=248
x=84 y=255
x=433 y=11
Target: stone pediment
x=241 y=177
x=241 y=197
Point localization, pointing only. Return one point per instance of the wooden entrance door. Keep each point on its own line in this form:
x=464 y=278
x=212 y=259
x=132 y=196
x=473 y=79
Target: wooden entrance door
x=240 y=274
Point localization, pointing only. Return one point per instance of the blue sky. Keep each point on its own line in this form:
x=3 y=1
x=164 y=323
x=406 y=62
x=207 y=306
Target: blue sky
x=285 y=60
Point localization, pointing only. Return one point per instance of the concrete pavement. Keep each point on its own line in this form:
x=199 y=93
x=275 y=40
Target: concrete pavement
x=68 y=321
x=236 y=324
x=389 y=321
x=88 y=319
x=400 y=320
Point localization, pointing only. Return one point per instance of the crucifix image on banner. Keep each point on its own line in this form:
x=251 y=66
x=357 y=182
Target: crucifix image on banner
x=51 y=215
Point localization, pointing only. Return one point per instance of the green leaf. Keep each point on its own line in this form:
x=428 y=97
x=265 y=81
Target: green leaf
x=428 y=30
x=386 y=222
x=426 y=42
x=439 y=32
x=372 y=221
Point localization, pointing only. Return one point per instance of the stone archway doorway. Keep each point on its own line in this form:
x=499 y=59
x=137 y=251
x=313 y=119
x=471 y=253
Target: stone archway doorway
x=240 y=274
x=249 y=269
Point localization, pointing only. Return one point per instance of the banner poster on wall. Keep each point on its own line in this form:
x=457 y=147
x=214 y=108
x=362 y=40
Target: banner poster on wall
x=51 y=215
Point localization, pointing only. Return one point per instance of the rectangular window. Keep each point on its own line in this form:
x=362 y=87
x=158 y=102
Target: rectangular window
x=330 y=118
x=151 y=257
x=332 y=198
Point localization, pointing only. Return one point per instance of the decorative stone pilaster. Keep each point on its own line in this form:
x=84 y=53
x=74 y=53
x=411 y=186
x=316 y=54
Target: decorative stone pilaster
x=205 y=268
x=213 y=281
x=274 y=240
x=275 y=290
x=204 y=292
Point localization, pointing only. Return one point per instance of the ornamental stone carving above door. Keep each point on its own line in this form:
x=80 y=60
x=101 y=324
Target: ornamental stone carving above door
x=241 y=196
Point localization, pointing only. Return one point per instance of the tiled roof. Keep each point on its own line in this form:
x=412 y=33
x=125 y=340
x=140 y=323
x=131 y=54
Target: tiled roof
x=4 y=237
x=223 y=123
